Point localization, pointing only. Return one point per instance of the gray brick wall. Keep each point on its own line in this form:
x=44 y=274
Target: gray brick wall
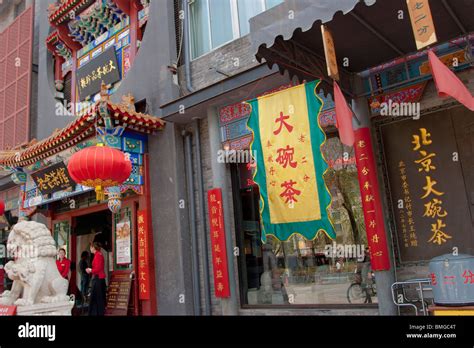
x=208 y=184
x=230 y=59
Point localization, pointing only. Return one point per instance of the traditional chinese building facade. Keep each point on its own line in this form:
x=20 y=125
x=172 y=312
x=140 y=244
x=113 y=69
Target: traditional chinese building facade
x=192 y=203
x=90 y=49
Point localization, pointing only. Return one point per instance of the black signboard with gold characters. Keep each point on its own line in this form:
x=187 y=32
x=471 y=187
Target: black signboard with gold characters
x=103 y=68
x=52 y=179
x=427 y=188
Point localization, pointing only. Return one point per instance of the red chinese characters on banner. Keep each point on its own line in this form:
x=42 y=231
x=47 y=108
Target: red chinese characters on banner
x=373 y=216
x=219 y=254
x=143 y=265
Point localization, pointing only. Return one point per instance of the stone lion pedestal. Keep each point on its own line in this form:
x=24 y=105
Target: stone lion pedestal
x=59 y=308
x=38 y=287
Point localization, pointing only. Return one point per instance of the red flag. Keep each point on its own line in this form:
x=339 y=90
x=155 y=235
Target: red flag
x=343 y=117
x=448 y=84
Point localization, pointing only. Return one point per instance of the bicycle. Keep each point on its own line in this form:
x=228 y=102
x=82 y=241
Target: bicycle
x=359 y=292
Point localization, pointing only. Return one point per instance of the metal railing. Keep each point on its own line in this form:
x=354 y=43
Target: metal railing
x=400 y=294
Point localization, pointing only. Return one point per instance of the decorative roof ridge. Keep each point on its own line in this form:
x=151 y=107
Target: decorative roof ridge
x=77 y=130
x=58 y=12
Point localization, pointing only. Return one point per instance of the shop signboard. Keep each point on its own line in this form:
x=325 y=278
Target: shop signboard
x=422 y=23
x=104 y=68
x=427 y=188
x=52 y=179
x=218 y=244
x=118 y=296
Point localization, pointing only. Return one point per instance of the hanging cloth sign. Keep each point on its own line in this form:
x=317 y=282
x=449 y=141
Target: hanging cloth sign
x=289 y=163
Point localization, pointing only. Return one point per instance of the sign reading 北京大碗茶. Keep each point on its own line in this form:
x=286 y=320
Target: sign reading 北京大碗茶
x=427 y=188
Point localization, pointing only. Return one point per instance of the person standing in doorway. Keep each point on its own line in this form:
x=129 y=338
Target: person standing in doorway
x=63 y=264
x=97 y=300
x=85 y=277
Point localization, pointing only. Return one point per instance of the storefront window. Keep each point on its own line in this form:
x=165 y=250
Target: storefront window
x=307 y=272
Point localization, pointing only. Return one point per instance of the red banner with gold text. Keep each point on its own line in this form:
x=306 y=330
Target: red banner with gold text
x=371 y=204
x=143 y=265
x=218 y=244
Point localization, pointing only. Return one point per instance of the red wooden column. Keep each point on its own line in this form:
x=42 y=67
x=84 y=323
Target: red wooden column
x=63 y=33
x=58 y=73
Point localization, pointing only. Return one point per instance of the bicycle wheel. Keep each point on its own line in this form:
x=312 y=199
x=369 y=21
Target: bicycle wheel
x=355 y=294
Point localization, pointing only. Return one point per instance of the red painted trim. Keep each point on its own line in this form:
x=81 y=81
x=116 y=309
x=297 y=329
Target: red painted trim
x=73 y=258
x=124 y=5
x=58 y=71
x=137 y=309
x=63 y=33
x=73 y=81
x=90 y=210
x=134 y=29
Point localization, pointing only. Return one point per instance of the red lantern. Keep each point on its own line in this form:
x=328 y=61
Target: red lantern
x=99 y=167
x=2 y=206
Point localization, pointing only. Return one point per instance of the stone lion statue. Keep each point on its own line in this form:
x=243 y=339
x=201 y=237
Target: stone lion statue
x=35 y=276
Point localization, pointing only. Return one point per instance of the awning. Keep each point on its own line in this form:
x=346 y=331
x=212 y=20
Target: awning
x=366 y=32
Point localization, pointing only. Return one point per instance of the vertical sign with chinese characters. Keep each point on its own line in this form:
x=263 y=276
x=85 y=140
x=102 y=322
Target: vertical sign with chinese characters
x=371 y=204
x=290 y=166
x=422 y=23
x=431 y=194
x=330 y=53
x=405 y=210
x=427 y=188
x=143 y=263
x=218 y=244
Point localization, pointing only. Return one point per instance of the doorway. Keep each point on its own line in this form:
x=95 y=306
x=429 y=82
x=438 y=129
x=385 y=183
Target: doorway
x=89 y=228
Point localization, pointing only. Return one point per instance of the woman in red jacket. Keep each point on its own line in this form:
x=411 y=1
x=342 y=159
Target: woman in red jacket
x=97 y=301
x=63 y=264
